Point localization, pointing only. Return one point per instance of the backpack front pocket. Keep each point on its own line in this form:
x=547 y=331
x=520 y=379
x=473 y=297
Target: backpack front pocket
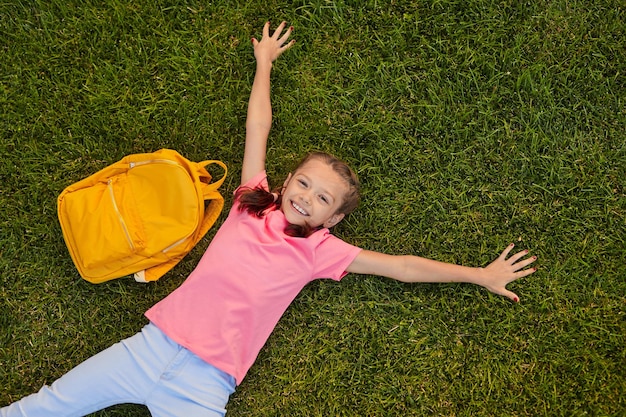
x=103 y=225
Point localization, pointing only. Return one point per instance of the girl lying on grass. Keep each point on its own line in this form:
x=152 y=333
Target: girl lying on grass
x=202 y=339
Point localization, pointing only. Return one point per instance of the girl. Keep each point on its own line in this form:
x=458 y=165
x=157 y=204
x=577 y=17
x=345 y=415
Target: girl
x=203 y=338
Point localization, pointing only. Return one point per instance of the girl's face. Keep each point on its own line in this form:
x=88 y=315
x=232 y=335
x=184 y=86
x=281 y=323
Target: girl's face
x=313 y=194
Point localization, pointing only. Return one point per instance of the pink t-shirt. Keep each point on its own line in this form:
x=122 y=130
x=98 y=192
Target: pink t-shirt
x=229 y=305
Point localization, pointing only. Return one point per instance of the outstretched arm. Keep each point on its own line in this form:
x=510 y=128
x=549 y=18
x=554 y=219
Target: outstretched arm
x=259 y=118
x=407 y=268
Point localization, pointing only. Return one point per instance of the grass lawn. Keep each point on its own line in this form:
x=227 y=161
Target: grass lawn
x=472 y=124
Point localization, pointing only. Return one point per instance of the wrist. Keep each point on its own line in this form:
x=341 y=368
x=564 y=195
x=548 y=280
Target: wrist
x=478 y=276
x=264 y=65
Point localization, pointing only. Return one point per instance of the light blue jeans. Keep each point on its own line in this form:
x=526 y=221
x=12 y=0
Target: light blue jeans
x=148 y=368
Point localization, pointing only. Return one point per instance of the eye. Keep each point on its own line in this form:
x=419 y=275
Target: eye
x=302 y=183
x=324 y=199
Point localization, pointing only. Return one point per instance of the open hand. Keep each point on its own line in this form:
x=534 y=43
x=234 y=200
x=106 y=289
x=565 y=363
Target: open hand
x=271 y=47
x=502 y=271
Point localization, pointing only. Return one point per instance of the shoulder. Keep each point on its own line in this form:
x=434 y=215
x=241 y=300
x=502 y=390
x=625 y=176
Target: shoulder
x=257 y=181
x=327 y=245
x=332 y=255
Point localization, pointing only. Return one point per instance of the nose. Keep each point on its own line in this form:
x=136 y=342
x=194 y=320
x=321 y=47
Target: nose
x=306 y=197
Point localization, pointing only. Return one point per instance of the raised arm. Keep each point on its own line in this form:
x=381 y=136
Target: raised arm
x=495 y=277
x=259 y=118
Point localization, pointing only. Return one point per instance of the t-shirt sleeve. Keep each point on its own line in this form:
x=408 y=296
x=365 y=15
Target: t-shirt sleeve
x=333 y=256
x=259 y=180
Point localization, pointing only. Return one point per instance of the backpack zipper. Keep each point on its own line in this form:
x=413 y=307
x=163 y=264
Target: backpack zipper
x=173 y=245
x=119 y=215
x=152 y=161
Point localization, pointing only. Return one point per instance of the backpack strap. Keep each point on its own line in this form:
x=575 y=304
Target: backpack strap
x=209 y=190
x=216 y=201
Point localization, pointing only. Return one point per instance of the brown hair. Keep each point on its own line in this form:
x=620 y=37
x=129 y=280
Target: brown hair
x=257 y=201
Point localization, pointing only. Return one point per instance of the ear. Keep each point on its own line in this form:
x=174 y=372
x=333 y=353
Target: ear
x=334 y=219
x=287 y=180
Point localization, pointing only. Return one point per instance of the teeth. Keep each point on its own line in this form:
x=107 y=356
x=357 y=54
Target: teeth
x=300 y=209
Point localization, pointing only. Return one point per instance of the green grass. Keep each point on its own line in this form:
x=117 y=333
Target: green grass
x=471 y=124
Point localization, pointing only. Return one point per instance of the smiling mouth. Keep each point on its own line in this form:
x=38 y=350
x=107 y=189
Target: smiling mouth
x=299 y=209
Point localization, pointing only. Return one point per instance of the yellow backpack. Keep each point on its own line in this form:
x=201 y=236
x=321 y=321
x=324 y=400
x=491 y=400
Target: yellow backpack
x=139 y=216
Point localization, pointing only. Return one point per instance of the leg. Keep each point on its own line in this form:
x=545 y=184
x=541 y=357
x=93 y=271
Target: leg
x=191 y=387
x=124 y=373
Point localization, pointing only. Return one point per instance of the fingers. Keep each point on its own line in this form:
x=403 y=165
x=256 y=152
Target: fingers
x=278 y=37
x=524 y=273
x=287 y=46
x=506 y=251
x=518 y=264
x=523 y=263
x=281 y=37
x=501 y=290
x=266 y=29
x=510 y=295
x=515 y=259
x=509 y=270
x=279 y=30
x=285 y=35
